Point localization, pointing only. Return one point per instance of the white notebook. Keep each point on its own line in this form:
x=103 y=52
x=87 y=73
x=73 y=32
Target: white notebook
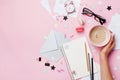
x=75 y=55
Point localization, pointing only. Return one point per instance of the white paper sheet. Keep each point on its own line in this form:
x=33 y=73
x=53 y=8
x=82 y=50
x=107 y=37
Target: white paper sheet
x=51 y=49
x=46 y=5
x=114 y=26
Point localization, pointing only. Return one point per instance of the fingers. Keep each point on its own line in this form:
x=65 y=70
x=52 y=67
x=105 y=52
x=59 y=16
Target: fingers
x=109 y=45
x=110 y=31
x=112 y=46
x=112 y=36
x=112 y=39
x=112 y=43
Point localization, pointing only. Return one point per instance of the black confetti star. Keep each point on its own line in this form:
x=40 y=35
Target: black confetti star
x=109 y=8
x=47 y=64
x=39 y=58
x=53 y=67
x=65 y=18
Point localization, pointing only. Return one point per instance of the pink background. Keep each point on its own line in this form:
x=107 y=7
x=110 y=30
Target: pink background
x=23 y=26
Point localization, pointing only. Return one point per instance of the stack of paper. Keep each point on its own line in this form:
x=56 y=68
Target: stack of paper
x=75 y=55
x=114 y=26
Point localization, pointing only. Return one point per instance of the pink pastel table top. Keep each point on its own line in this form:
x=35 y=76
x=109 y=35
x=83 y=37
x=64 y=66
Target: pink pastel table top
x=23 y=26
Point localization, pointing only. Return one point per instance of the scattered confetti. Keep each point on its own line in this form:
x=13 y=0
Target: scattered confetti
x=100 y=10
x=85 y=4
x=73 y=72
x=61 y=62
x=81 y=4
x=52 y=58
x=99 y=2
x=88 y=21
x=47 y=64
x=39 y=59
x=58 y=71
x=66 y=26
x=113 y=76
x=118 y=57
x=93 y=49
x=61 y=1
x=66 y=46
x=45 y=71
x=94 y=6
x=115 y=68
x=56 y=25
x=61 y=70
x=59 y=18
x=71 y=36
x=65 y=35
x=45 y=37
x=53 y=67
x=109 y=8
x=65 y=18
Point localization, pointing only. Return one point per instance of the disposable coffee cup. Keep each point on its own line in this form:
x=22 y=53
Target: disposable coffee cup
x=99 y=36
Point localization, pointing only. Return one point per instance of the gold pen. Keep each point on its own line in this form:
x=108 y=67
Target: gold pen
x=88 y=68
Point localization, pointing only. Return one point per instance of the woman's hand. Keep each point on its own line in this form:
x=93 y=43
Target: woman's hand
x=104 y=65
x=105 y=51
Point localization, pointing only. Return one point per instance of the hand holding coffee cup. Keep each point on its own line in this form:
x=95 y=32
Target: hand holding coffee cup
x=99 y=36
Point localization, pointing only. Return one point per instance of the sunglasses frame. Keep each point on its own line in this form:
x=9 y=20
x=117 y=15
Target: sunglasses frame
x=97 y=17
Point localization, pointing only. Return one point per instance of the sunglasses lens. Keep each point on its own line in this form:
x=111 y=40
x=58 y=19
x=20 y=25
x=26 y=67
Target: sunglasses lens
x=97 y=19
x=87 y=12
x=100 y=19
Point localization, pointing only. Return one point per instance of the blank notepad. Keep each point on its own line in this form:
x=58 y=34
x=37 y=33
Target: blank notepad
x=75 y=55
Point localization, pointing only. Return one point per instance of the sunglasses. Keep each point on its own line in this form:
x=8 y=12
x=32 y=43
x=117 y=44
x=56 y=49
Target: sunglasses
x=97 y=17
